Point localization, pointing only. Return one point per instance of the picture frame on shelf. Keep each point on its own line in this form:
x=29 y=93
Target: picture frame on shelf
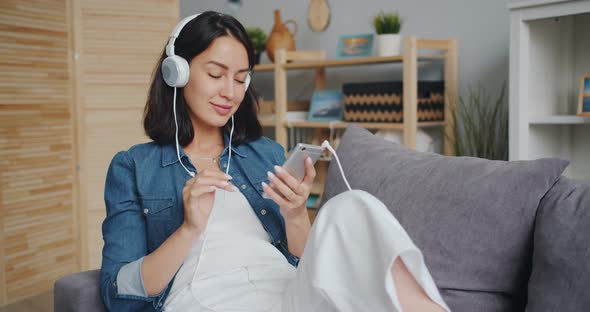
x=584 y=100
x=326 y=105
x=351 y=46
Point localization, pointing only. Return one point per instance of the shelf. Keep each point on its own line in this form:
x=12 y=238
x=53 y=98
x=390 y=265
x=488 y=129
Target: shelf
x=269 y=120
x=357 y=61
x=560 y=120
x=267 y=123
x=519 y=4
x=346 y=62
x=264 y=67
x=366 y=125
x=433 y=50
x=548 y=48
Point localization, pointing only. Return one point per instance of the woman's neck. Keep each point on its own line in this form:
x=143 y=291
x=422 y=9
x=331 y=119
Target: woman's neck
x=207 y=141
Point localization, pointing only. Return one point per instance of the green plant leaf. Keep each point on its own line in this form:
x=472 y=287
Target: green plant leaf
x=481 y=125
x=387 y=23
x=258 y=38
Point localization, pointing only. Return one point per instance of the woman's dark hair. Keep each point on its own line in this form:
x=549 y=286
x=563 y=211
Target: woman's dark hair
x=196 y=36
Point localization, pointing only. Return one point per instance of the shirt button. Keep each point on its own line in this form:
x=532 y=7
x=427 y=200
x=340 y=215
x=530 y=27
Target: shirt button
x=263 y=212
x=115 y=284
x=160 y=304
x=243 y=186
x=224 y=165
x=145 y=211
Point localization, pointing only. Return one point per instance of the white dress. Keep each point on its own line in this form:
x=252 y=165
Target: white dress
x=233 y=266
x=346 y=265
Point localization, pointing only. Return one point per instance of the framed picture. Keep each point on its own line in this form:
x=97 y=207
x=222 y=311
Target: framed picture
x=326 y=105
x=355 y=46
x=584 y=105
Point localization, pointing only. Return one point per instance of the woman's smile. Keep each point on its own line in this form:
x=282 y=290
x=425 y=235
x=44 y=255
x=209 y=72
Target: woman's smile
x=222 y=109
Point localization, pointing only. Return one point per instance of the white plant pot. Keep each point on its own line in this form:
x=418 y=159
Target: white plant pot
x=389 y=44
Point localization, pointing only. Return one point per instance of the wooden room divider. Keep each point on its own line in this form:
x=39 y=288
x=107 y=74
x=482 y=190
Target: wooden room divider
x=74 y=82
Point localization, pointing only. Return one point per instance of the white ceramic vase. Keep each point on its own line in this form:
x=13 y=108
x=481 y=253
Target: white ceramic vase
x=389 y=44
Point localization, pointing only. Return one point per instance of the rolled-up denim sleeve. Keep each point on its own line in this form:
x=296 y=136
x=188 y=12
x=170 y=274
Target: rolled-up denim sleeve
x=291 y=258
x=130 y=281
x=125 y=243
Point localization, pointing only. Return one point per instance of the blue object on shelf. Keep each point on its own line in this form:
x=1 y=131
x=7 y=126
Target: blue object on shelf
x=326 y=105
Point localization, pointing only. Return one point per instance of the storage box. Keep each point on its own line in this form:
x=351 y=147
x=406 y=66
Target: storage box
x=383 y=101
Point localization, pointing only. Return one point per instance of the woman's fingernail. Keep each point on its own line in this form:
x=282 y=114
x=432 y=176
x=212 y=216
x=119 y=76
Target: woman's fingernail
x=234 y=188
x=278 y=169
x=308 y=160
x=223 y=183
x=227 y=176
x=270 y=174
x=264 y=185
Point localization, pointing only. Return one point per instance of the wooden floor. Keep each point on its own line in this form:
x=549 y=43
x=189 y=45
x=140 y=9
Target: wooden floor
x=41 y=303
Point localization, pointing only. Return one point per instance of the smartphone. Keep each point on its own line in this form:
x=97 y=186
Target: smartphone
x=295 y=164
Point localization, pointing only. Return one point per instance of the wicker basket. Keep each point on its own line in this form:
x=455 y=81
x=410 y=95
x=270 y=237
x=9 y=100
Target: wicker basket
x=383 y=101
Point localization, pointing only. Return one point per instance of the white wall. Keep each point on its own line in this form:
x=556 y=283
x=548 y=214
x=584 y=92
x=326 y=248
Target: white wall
x=481 y=27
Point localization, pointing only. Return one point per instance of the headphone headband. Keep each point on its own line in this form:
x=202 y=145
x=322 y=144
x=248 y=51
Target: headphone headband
x=176 y=31
x=175 y=69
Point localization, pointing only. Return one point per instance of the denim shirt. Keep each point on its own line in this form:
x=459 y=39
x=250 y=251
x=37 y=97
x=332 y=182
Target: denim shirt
x=143 y=196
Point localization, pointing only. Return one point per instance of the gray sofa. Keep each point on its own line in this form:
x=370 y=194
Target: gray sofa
x=496 y=236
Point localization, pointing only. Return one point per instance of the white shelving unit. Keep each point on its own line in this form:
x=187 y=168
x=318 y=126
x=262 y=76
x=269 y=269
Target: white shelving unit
x=549 y=53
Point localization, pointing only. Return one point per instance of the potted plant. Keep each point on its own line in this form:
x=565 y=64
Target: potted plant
x=387 y=27
x=258 y=38
x=481 y=125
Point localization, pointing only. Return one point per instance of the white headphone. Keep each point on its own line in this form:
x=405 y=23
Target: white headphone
x=175 y=69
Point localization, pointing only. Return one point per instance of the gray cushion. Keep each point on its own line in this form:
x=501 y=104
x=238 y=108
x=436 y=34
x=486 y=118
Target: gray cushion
x=561 y=257
x=472 y=218
x=78 y=292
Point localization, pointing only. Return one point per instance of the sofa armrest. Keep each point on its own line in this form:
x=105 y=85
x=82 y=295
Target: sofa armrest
x=78 y=292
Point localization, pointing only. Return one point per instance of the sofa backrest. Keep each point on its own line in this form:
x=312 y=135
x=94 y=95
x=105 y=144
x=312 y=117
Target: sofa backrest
x=560 y=277
x=472 y=218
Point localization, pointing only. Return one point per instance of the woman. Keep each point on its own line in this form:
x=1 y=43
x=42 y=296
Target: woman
x=181 y=234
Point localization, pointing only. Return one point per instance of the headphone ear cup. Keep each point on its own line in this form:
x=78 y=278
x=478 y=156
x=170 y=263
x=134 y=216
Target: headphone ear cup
x=175 y=71
x=247 y=81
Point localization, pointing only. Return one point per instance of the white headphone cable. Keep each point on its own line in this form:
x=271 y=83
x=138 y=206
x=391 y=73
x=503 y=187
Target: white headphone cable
x=327 y=145
x=192 y=174
x=231 y=133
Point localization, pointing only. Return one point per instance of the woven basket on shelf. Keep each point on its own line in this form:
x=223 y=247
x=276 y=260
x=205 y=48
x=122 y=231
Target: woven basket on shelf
x=383 y=101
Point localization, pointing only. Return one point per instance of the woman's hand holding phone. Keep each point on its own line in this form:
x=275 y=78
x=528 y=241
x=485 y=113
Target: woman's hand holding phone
x=289 y=192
